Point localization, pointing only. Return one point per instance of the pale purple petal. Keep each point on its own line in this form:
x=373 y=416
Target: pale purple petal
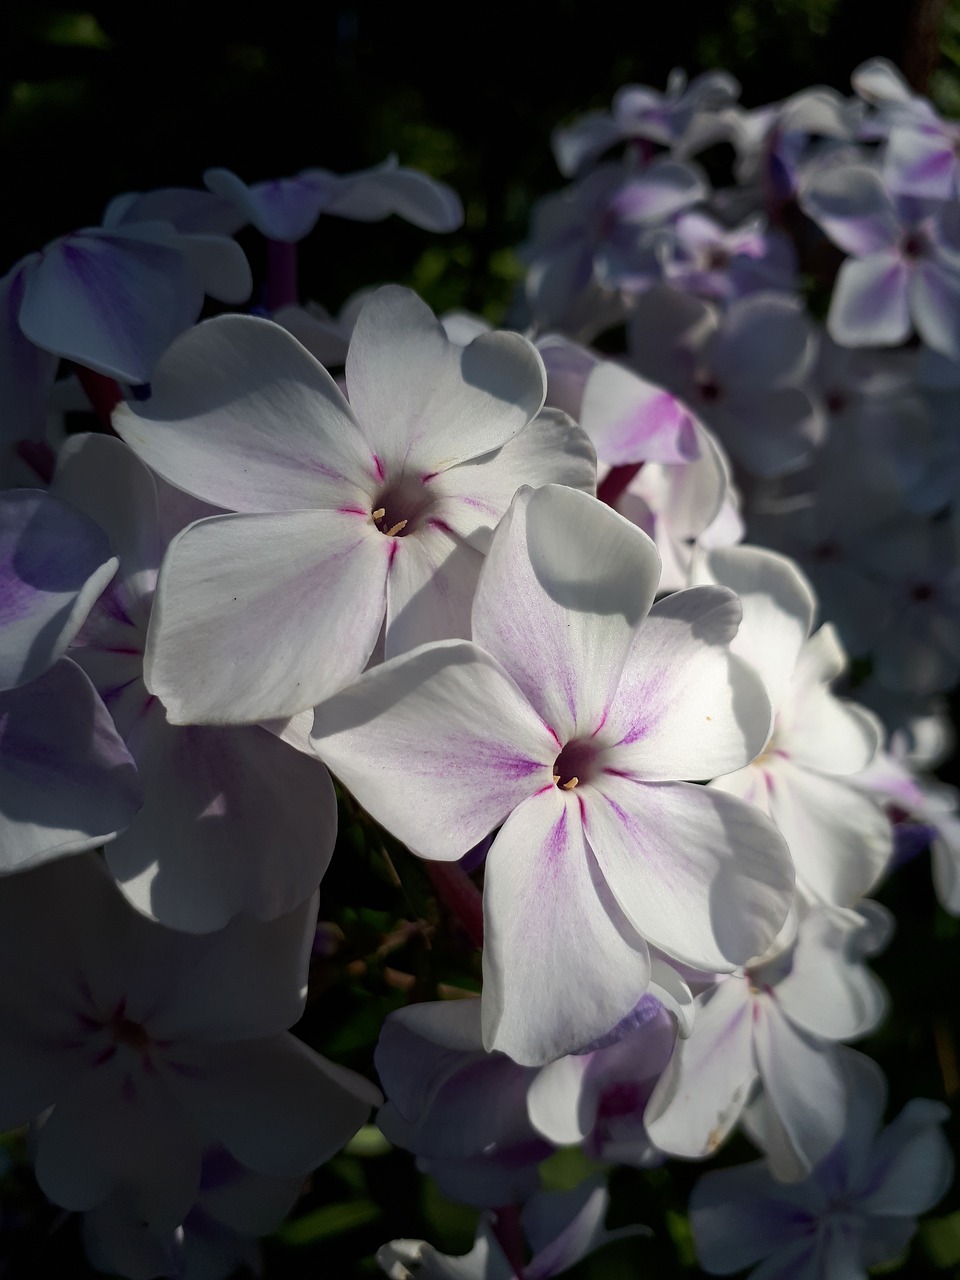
x=584 y=140
x=765 y=340
x=870 y=307
x=920 y=163
x=911 y=1167
x=561 y=964
x=778 y=610
x=281 y=209
x=740 y=1215
x=566 y=582
x=67 y=782
x=935 y=306
x=426 y=403
x=850 y=203
x=244 y=982
x=221 y=266
x=685 y=706
x=374 y=194
x=261 y=616
x=702 y=876
x=632 y=420
x=438 y=745
x=242 y=416
x=103 y=478
x=26 y=371
x=113 y=301
x=54 y=563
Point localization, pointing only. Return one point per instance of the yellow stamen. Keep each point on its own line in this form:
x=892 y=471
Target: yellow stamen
x=556 y=778
x=396 y=528
x=379 y=513
x=568 y=786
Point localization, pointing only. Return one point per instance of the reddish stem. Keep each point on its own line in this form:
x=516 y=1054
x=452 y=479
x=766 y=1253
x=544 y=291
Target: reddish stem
x=461 y=895
x=616 y=481
x=102 y=392
x=509 y=1233
x=281 y=275
x=39 y=457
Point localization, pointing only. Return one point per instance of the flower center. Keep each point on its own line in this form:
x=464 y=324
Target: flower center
x=576 y=763
x=126 y=1031
x=400 y=508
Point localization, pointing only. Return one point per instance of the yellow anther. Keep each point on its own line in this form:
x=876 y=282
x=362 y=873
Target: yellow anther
x=556 y=778
x=379 y=513
x=396 y=528
x=568 y=786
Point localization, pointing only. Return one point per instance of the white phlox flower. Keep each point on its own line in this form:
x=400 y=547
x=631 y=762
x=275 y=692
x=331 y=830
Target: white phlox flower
x=839 y=838
x=350 y=516
x=233 y=819
x=151 y=1046
x=569 y=719
x=858 y=1208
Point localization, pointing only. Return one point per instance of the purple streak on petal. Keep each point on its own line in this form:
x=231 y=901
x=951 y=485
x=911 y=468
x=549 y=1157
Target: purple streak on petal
x=647 y=1008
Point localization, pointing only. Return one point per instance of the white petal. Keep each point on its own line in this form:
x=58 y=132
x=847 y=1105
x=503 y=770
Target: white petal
x=699 y=1097
x=550 y=450
x=840 y=840
x=103 y=478
x=430 y=588
x=565 y=585
x=276 y=1106
x=702 y=876
x=912 y=1166
x=778 y=610
x=118 y=1129
x=261 y=616
x=554 y=1100
x=439 y=745
x=632 y=420
x=561 y=964
x=804 y=1088
x=426 y=403
x=685 y=706
x=234 y=820
x=242 y=416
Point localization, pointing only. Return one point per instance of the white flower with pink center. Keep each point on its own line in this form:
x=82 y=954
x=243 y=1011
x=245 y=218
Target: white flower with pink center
x=569 y=720
x=350 y=516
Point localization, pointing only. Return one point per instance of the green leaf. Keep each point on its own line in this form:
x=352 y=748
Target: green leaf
x=329 y=1220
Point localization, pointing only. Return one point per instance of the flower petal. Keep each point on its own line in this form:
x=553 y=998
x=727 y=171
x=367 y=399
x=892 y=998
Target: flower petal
x=561 y=963
x=700 y=1095
x=242 y=416
x=234 y=821
x=703 y=877
x=276 y=1106
x=685 y=706
x=54 y=563
x=425 y=402
x=870 y=306
x=261 y=616
x=67 y=782
x=565 y=585
x=439 y=745
x=430 y=588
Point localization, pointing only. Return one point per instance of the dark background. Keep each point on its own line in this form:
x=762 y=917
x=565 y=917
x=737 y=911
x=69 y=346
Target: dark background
x=113 y=97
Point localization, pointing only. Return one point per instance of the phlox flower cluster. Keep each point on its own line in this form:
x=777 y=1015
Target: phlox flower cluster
x=571 y=631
